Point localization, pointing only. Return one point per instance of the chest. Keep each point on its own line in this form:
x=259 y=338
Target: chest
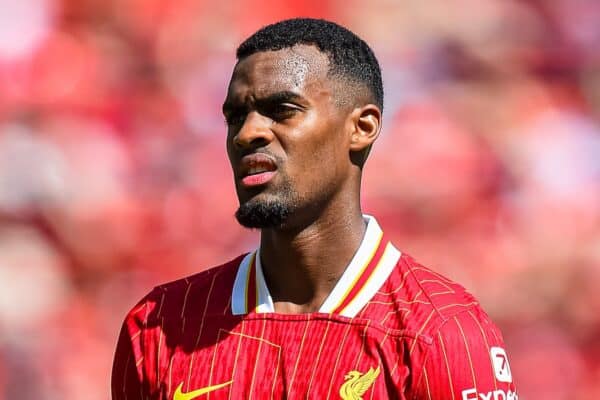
x=276 y=358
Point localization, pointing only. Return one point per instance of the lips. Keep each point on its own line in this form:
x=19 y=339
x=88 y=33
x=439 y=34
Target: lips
x=257 y=169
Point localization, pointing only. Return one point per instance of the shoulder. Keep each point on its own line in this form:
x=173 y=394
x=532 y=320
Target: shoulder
x=419 y=300
x=456 y=351
x=208 y=291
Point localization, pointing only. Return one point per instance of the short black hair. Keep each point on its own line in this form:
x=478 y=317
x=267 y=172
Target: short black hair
x=349 y=55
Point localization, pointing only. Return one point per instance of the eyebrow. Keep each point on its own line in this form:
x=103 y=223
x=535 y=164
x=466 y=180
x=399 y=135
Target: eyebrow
x=280 y=97
x=273 y=98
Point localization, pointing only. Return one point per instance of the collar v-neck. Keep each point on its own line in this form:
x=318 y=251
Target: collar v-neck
x=371 y=265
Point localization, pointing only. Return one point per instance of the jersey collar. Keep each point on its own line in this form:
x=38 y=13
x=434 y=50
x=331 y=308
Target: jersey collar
x=371 y=265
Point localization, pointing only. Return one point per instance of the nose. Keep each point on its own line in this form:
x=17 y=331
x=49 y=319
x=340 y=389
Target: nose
x=255 y=132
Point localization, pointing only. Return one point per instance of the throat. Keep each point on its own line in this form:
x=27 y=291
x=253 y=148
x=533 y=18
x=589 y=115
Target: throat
x=301 y=292
x=302 y=271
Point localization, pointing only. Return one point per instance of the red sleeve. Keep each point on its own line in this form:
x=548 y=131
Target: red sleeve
x=127 y=374
x=466 y=361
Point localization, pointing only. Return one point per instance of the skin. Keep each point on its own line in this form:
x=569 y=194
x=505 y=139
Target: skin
x=283 y=104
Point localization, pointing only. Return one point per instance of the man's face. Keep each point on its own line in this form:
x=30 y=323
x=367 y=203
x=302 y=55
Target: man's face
x=286 y=139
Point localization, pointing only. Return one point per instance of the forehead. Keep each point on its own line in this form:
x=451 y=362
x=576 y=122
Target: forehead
x=299 y=69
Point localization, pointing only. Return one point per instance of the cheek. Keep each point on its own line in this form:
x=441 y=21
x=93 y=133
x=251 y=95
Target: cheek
x=329 y=148
x=320 y=159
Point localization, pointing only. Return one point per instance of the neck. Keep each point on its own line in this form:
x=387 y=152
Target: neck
x=302 y=266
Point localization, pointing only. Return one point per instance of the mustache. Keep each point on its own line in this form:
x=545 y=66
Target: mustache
x=278 y=160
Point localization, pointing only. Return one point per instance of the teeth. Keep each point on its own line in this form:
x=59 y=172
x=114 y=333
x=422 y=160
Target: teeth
x=256 y=170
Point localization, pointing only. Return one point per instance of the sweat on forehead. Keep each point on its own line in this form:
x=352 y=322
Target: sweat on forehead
x=297 y=67
x=351 y=60
x=293 y=67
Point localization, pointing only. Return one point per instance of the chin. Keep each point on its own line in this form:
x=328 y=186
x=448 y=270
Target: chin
x=263 y=214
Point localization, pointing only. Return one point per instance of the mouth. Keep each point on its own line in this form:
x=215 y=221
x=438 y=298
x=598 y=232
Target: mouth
x=256 y=169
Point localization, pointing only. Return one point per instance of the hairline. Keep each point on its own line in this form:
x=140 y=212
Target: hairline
x=341 y=100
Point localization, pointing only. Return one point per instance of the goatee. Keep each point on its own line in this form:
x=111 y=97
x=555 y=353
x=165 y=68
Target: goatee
x=256 y=214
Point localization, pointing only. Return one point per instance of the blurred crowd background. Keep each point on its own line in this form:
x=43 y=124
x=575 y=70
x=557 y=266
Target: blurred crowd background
x=114 y=178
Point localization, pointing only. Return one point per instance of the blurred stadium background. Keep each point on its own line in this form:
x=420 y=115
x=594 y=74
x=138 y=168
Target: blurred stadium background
x=113 y=175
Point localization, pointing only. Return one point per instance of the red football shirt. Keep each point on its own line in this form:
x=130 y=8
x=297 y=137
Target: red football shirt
x=390 y=329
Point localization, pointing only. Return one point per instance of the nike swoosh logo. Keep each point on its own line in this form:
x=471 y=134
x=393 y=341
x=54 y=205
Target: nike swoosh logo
x=179 y=395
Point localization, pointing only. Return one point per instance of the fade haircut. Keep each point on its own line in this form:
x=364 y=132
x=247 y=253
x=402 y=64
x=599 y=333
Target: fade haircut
x=349 y=56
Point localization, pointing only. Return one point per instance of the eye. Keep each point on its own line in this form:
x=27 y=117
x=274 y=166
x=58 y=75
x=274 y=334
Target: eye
x=280 y=111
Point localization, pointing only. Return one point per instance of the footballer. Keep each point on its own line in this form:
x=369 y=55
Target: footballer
x=326 y=307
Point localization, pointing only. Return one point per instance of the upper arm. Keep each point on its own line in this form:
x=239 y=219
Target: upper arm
x=466 y=361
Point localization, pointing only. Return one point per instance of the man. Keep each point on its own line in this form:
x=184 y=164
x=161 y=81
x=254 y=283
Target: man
x=326 y=307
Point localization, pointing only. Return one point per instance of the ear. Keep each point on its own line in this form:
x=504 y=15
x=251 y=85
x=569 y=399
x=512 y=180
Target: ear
x=366 y=125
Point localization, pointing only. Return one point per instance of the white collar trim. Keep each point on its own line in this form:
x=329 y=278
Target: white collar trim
x=368 y=270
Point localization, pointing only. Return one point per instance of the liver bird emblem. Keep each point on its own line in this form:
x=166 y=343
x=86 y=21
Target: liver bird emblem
x=357 y=384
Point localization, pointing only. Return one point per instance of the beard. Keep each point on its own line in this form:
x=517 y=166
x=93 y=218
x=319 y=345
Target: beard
x=257 y=214
x=270 y=213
